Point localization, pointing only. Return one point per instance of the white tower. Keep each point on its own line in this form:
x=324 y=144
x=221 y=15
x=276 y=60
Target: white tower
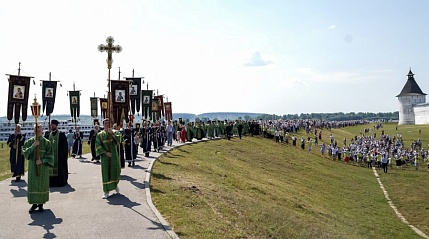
x=410 y=96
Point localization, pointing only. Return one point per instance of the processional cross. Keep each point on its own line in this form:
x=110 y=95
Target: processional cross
x=110 y=48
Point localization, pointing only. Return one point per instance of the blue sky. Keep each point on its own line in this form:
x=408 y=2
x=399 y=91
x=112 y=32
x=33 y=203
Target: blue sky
x=276 y=57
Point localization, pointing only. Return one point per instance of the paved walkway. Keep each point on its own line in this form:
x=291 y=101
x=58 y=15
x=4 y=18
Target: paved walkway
x=78 y=211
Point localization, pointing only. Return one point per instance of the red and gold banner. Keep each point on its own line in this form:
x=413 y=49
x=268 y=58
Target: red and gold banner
x=155 y=109
x=168 y=111
x=19 y=88
x=160 y=105
x=103 y=107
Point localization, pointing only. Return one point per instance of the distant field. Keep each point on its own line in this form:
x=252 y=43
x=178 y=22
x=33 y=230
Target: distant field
x=256 y=188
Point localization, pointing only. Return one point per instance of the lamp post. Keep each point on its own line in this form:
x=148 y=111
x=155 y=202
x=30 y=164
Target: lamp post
x=35 y=111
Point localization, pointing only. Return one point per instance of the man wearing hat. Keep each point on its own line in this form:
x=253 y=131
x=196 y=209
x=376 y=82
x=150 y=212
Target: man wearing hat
x=59 y=173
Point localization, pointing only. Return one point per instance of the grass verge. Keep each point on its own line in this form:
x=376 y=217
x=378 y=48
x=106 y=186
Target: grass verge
x=255 y=188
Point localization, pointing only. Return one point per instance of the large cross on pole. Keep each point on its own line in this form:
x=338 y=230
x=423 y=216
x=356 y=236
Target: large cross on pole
x=110 y=48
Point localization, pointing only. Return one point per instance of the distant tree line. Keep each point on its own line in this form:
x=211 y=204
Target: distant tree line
x=340 y=116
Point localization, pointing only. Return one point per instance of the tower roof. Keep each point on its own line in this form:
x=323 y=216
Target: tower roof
x=411 y=86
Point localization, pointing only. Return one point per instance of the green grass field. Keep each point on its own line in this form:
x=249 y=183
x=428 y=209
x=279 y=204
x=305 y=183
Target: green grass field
x=256 y=188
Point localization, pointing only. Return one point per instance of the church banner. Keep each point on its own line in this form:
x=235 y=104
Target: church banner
x=19 y=88
x=147 y=103
x=135 y=94
x=168 y=111
x=103 y=107
x=74 y=97
x=49 y=91
x=94 y=108
x=160 y=105
x=120 y=100
x=155 y=109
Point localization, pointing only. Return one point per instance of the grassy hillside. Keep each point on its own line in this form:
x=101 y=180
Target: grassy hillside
x=256 y=188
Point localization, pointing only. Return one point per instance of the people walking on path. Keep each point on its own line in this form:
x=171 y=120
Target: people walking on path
x=38 y=151
x=16 y=158
x=107 y=143
x=59 y=173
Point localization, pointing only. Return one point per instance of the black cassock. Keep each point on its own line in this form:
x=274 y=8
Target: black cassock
x=145 y=139
x=77 y=144
x=130 y=146
x=135 y=143
x=60 y=170
x=91 y=141
x=122 y=151
x=16 y=156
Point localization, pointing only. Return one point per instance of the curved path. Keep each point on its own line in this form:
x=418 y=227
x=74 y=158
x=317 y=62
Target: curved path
x=398 y=214
x=78 y=211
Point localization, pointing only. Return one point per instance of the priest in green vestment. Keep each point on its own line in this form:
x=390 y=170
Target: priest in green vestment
x=38 y=151
x=59 y=173
x=106 y=146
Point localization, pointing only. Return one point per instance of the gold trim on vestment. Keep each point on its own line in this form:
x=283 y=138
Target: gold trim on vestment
x=115 y=181
x=38 y=192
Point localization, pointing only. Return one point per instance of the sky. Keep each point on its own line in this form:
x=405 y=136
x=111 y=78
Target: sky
x=275 y=57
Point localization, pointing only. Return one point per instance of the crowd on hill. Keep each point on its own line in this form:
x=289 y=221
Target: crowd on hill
x=366 y=148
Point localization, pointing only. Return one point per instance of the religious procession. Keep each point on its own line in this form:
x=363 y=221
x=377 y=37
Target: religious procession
x=48 y=146
x=366 y=149
x=132 y=119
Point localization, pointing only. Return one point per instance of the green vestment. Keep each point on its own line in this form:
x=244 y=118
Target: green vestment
x=110 y=167
x=246 y=129
x=54 y=143
x=38 y=186
x=210 y=130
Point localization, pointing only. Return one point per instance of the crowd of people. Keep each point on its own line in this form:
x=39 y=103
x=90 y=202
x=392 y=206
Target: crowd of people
x=113 y=146
x=382 y=152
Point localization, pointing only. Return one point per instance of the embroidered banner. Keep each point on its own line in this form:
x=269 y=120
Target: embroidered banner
x=120 y=100
x=74 y=97
x=49 y=91
x=19 y=88
x=160 y=105
x=155 y=109
x=147 y=103
x=168 y=111
x=103 y=107
x=135 y=94
x=94 y=107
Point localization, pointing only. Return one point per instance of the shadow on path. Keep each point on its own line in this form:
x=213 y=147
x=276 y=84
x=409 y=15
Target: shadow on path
x=133 y=181
x=46 y=220
x=20 y=192
x=122 y=200
x=66 y=189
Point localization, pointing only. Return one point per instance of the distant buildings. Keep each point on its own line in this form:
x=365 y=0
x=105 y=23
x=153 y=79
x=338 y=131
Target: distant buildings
x=413 y=108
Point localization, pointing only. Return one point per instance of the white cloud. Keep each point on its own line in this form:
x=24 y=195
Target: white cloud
x=256 y=60
x=332 y=27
